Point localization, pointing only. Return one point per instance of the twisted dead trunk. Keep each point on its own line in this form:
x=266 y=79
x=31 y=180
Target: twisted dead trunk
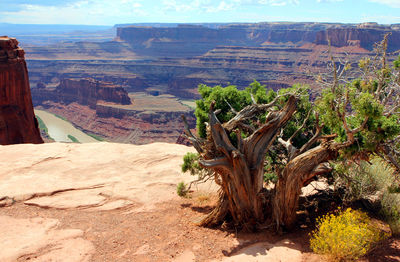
x=241 y=168
x=294 y=176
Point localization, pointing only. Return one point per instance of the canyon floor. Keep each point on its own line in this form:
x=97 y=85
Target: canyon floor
x=117 y=202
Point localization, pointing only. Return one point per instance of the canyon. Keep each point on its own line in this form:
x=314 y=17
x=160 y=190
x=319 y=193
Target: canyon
x=17 y=120
x=167 y=62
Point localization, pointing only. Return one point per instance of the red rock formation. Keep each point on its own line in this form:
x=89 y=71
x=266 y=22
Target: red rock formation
x=363 y=36
x=17 y=119
x=189 y=40
x=194 y=40
x=85 y=91
x=88 y=92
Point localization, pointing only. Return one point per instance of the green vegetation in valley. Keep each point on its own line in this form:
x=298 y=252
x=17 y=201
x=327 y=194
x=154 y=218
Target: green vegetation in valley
x=61 y=117
x=189 y=103
x=73 y=139
x=98 y=138
x=43 y=127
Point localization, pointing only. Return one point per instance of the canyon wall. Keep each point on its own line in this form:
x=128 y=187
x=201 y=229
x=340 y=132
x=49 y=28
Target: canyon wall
x=194 y=40
x=362 y=37
x=88 y=92
x=199 y=39
x=84 y=91
x=17 y=120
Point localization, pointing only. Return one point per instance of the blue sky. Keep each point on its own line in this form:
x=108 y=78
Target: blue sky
x=110 y=12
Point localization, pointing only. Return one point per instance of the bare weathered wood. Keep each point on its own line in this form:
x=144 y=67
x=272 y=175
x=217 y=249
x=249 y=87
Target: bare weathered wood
x=240 y=167
x=196 y=141
x=256 y=145
x=294 y=176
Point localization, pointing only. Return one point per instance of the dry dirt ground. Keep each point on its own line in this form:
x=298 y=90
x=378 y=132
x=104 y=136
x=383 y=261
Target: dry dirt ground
x=115 y=202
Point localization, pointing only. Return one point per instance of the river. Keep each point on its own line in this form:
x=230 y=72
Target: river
x=59 y=129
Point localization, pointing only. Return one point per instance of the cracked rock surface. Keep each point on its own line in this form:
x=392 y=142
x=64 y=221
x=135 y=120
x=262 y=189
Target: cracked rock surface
x=92 y=177
x=117 y=202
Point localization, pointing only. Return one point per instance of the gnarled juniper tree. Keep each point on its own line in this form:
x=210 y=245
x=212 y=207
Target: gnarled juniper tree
x=245 y=134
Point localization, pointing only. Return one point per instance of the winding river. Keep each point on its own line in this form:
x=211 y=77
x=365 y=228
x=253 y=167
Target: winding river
x=59 y=129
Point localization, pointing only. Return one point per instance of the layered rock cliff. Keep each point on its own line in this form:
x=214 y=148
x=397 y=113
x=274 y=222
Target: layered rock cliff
x=195 y=40
x=85 y=91
x=190 y=40
x=17 y=120
x=360 y=36
x=89 y=92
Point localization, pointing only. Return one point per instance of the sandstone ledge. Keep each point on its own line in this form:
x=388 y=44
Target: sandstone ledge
x=92 y=175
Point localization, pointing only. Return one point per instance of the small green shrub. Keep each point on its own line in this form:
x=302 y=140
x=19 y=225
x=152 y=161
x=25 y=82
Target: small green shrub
x=365 y=179
x=390 y=202
x=181 y=189
x=373 y=179
x=191 y=164
x=346 y=235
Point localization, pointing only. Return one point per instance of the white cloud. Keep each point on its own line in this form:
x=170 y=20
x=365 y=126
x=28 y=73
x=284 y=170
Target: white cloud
x=391 y=3
x=223 y=6
x=329 y=1
x=208 y=6
x=79 y=12
x=278 y=2
x=217 y=6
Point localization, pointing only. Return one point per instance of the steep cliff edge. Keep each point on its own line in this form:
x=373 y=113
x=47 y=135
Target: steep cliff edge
x=17 y=120
x=191 y=40
x=360 y=36
x=85 y=91
x=89 y=92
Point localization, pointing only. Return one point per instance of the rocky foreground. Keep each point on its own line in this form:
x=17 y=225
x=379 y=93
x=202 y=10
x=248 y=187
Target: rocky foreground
x=116 y=202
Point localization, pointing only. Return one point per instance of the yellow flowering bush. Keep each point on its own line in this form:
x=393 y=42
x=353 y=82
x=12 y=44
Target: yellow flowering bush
x=346 y=235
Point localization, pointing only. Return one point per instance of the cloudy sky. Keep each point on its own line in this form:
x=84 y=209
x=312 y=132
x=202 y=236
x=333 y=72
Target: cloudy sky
x=110 y=12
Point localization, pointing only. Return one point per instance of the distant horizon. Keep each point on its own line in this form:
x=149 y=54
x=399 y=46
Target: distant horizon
x=110 y=13
x=194 y=23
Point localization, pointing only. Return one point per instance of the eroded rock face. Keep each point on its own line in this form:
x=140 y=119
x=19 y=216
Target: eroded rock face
x=362 y=36
x=194 y=40
x=17 y=120
x=85 y=91
x=88 y=92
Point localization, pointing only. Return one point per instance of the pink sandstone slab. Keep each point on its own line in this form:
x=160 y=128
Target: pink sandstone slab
x=61 y=175
x=39 y=238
